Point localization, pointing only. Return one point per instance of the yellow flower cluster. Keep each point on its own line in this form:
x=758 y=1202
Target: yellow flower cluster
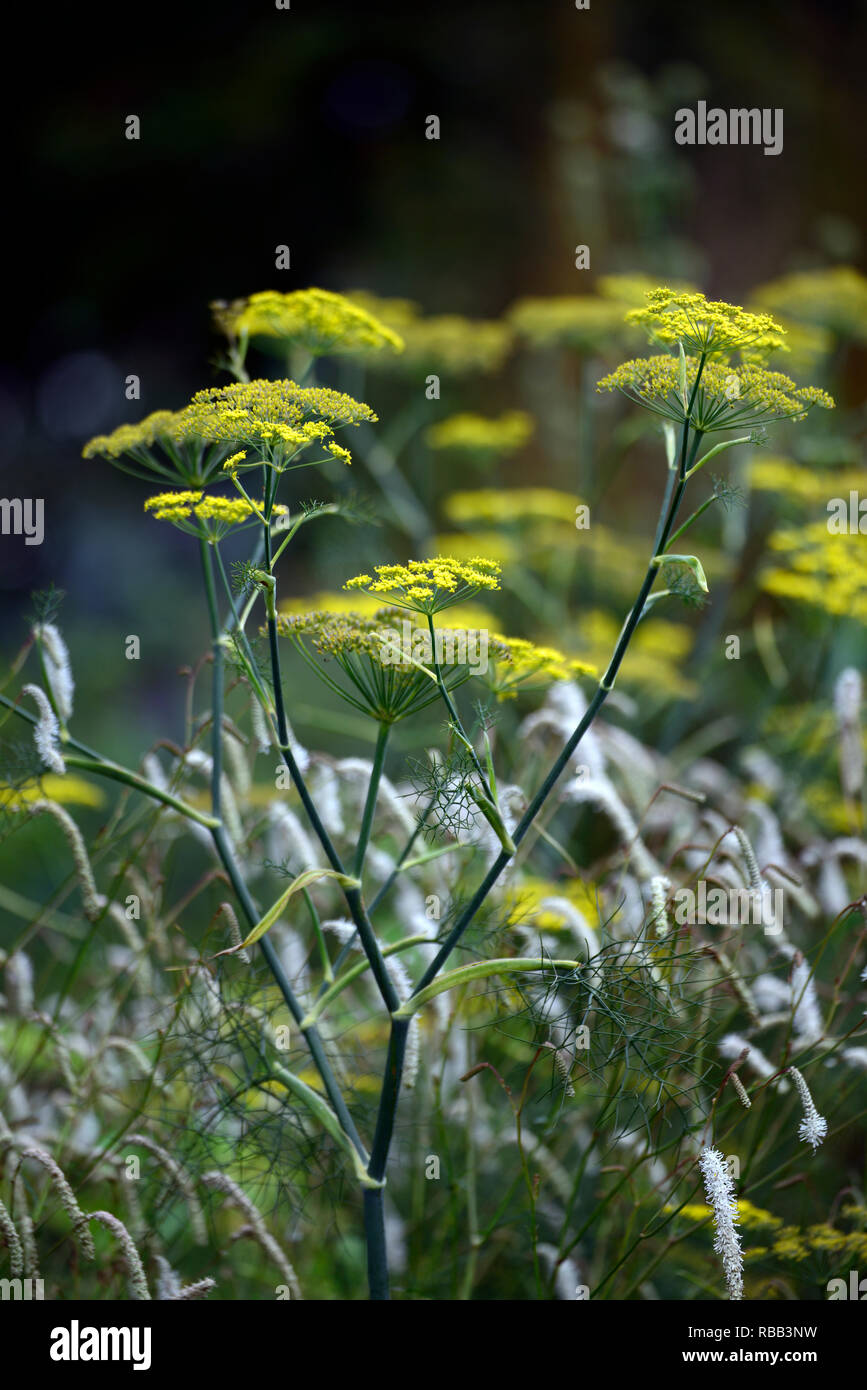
x=792 y=1243
x=575 y=321
x=177 y=507
x=428 y=586
x=531 y=666
x=823 y=569
x=463 y=615
x=387 y=678
x=486 y=438
x=133 y=439
x=706 y=326
x=446 y=344
x=274 y=416
x=833 y=299
x=278 y=418
x=586 y=322
x=519 y=504
x=772 y=473
x=727 y=398
x=67 y=789
x=317 y=320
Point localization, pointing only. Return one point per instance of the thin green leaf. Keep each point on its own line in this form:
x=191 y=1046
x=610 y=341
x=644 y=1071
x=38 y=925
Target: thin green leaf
x=276 y=910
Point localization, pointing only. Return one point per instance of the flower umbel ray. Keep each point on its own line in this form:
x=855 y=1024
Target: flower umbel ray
x=727 y=398
x=386 y=680
x=429 y=586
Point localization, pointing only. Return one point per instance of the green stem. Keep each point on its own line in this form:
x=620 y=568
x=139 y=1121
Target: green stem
x=699 y=511
x=340 y=984
x=217 y=684
x=105 y=768
x=386 y=887
x=370 y=800
x=327 y=969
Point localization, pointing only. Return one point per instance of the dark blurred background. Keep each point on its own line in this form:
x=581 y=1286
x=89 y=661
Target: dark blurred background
x=306 y=126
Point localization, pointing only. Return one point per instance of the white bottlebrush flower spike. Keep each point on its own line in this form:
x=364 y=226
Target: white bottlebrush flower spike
x=719 y=1190
x=814 y=1127
x=46 y=733
x=58 y=670
x=660 y=887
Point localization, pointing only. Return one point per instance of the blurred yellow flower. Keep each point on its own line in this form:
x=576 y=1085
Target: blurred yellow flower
x=444 y=344
x=529 y=667
x=834 y=299
x=318 y=320
x=483 y=437
x=583 y=322
x=518 y=504
x=69 y=790
x=821 y=568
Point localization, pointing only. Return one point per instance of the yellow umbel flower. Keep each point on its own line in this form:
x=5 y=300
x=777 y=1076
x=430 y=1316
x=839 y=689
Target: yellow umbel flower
x=783 y=477
x=156 y=446
x=833 y=299
x=515 y=504
x=580 y=321
x=823 y=569
x=485 y=438
x=126 y=439
x=279 y=418
x=387 y=661
x=445 y=344
x=749 y=1216
x=319 y=321
x=167 y=506
x=463 y=615
x=218 y=514
x=728 y=397
x=429 y=586
x=531 y=667
x=706 y=326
